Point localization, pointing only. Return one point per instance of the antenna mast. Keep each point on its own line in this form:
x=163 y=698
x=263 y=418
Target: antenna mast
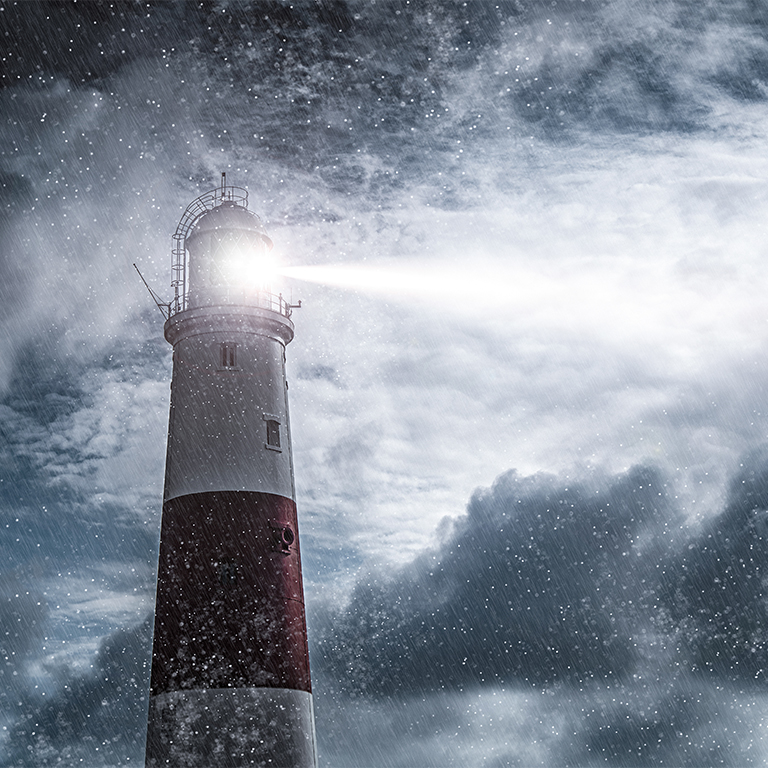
x=163 y=306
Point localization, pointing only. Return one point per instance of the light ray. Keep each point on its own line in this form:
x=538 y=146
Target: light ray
x=434 y=282
x=615 y=300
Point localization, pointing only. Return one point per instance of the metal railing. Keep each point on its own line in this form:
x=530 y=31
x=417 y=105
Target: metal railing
x=260 y=299
x=194 y=211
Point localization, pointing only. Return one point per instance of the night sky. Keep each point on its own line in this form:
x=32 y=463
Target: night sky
x=528 y=384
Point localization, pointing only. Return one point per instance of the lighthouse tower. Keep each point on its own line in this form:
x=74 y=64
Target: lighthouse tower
x=230 y=667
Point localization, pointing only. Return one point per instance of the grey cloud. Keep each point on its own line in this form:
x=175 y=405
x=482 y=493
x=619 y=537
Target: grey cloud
x=99 y=717
x=540 y=582
x=87 y=42
x=336 y=83
x=50 y=457
x=630 y=738
x=548 y=581
x=22 y=618
x=319 y=371
x=394 y=68
x=691 y=726
x=552 y=582
x=716 y=591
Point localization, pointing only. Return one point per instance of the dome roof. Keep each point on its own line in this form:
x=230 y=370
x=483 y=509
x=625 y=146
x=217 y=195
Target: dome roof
x=230 y=216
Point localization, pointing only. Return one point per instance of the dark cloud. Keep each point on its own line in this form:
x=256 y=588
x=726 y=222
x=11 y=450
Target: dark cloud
x=100 y=715
x=22 y=618
x=86 y=41
x=542 y=581
x=596 y=582
x=319 y=371
x=16 y=195
x=90 y=556
x=546 y=580
x=312 y=85
x=682 y=723
x=44 y=386
x=50 y=453
x=684 y=729
x=51 y=379
x=717 y=591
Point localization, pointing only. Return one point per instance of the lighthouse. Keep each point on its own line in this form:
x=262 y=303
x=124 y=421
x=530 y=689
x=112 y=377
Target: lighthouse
x=230 y=679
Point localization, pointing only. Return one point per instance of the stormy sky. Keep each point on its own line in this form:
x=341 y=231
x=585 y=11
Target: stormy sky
x=527 y=385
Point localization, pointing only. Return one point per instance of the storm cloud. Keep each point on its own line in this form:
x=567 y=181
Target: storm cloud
x=717 y=590
x=589 y=590
x=103 y=711
x=542 y=581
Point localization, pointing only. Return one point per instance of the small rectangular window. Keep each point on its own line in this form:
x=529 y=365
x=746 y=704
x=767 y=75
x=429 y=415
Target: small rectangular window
x=228 y=356
x=273 y=433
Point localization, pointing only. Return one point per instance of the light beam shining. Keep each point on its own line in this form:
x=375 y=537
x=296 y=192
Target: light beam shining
x=480 y=284
x=610 y=300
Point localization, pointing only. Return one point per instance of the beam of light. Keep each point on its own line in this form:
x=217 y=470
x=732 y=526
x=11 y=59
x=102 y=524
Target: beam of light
x=432 y=282
x=616 y=299
x=558 y=292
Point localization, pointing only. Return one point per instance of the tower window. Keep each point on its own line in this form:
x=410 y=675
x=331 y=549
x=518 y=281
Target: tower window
x=273 y=433
x=228 y=357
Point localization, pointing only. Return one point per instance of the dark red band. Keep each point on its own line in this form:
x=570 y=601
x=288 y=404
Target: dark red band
x=230 y=601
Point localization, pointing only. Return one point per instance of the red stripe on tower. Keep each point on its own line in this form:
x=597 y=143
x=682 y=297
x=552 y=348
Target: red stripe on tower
x=230 y=667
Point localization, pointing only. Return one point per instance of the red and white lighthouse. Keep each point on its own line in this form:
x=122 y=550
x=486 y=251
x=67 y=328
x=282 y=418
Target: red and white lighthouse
x=230 y=666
